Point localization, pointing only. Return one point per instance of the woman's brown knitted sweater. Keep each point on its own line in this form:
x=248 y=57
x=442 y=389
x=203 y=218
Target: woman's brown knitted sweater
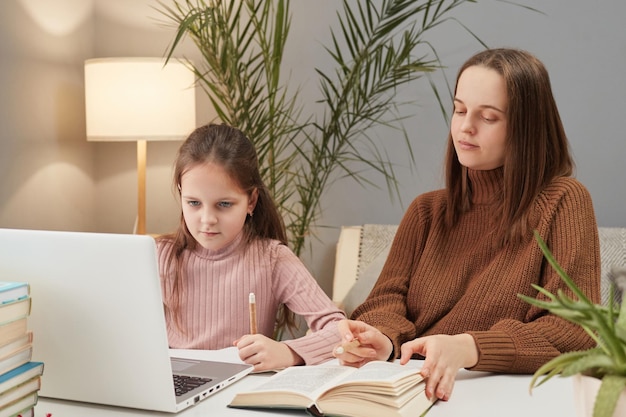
x=466 y=284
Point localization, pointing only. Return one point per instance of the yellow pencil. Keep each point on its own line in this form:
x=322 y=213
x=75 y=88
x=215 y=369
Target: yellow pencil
x=252 y=305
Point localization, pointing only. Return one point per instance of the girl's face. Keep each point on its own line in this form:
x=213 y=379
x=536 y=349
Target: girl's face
x=479 y=122
x=214 y=206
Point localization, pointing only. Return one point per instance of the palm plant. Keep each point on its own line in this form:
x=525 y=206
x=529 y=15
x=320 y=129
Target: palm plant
x=242 y=44
x=605 y=324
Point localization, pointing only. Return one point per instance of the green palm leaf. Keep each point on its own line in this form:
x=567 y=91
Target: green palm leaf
x=374 y=50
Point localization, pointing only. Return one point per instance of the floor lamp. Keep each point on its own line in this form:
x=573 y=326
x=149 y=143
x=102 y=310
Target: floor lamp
x=139 y=99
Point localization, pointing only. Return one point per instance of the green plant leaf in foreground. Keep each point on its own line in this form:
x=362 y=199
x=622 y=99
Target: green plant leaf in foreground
x=605 y=324
x=610 y=390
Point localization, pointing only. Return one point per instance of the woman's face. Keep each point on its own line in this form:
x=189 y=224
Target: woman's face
x=479 y=122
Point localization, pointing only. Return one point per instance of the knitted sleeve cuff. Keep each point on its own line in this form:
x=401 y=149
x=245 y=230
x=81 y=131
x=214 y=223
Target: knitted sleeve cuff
x=316 y=347
x=496 y=351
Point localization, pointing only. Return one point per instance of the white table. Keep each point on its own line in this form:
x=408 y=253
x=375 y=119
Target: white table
x=494 y=395
x=475 y=394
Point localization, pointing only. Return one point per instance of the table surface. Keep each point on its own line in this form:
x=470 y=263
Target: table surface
x=475 y=394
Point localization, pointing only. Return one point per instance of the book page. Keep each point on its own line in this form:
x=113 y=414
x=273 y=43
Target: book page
x=309 y=381
x=380 y=371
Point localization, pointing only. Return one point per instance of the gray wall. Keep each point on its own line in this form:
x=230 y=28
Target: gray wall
x=53 y=179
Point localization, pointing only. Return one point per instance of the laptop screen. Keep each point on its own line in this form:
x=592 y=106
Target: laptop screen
x=97 y=315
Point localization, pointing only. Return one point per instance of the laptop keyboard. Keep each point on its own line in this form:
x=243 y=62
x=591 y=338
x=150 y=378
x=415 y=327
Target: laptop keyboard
x=184 y=383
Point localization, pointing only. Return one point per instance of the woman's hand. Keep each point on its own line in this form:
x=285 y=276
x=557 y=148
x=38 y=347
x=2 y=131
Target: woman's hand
x=362 y=343
x=445 y=355
x=265 y=353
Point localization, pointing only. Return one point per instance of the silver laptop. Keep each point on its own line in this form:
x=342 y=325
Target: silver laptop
x=98 y=322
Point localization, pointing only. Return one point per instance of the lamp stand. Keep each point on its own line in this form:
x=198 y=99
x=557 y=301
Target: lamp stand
x=141 y=187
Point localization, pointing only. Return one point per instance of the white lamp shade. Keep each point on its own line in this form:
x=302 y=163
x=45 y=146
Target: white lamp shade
x=131 y=99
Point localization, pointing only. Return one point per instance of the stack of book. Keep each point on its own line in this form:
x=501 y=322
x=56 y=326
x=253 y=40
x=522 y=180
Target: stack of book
x=20 y=378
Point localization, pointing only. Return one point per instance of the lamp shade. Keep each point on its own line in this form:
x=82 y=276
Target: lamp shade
x=132 y=99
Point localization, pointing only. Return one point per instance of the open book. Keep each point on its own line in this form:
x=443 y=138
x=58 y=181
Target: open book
x=376 y=389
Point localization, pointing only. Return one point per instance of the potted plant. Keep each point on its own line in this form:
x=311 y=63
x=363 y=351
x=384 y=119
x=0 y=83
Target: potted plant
x=604 y=364
x=378 y=48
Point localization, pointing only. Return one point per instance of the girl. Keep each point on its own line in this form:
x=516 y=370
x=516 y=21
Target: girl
x=449 y=288
x=232 y=242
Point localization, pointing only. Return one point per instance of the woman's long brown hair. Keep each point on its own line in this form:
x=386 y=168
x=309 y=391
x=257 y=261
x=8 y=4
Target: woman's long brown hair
x=537 y=149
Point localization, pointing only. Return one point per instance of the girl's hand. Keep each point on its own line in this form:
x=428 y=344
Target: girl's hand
x=362 y=343
x=445 y=355
x=265 y=353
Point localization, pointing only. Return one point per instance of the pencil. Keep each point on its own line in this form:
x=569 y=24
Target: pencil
x=252 y=305
x=347 y=347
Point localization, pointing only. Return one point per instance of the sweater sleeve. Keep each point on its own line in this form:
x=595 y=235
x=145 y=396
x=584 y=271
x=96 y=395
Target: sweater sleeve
x=569 y=228
x=295 y=287
x=386 y=306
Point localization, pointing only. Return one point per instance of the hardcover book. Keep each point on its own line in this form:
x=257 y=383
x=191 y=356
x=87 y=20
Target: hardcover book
x=378 y=389
x=19 y=391
x=9 y=346
x=13 y=330
x=19 y=375
x=14 y=310
x=16 y=358
x=22 y=405
x=11 y=291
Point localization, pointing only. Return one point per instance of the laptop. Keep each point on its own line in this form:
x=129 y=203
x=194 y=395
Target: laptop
x=98 y=321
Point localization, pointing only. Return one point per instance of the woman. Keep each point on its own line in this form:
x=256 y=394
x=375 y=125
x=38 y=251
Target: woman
x=449 y=288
